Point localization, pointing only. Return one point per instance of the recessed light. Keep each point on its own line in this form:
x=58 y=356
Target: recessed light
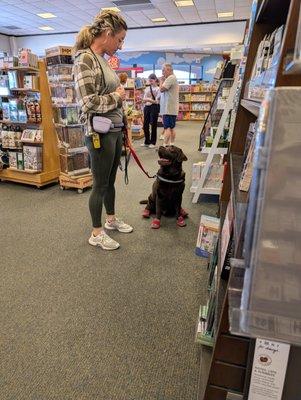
x=225 y=14
x=184 y=3
x=46 y=15
x=161 y=19
x=116 y=9
x=46 y=28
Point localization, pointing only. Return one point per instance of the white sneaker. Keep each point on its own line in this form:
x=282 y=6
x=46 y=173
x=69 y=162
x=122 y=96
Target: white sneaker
x=144 y=145
x=161 y=137
x=151 y=146
x=104 y=241
x=118 y=225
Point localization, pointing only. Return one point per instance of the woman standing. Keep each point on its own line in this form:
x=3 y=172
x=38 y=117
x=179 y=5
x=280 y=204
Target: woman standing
x=99 y=93
x=151 y=111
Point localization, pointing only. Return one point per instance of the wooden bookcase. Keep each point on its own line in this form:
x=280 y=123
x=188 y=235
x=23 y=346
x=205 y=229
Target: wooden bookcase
x=51 y=169
x=232 y=355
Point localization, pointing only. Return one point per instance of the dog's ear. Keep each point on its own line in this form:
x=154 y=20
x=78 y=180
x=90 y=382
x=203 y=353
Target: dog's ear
x=181 y=156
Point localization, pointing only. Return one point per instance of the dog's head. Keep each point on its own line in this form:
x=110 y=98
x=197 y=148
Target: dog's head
x=170 y=155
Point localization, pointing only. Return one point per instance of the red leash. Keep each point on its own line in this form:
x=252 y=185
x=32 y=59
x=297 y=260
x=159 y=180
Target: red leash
x=134 y=154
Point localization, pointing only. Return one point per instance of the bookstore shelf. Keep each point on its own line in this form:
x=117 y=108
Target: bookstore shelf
x=24 y=69
x=268 y=12
x=37 y=162
x=20 y=123
x=251 y=105
x=25 y=90
x=293 y=68
x=256 y=317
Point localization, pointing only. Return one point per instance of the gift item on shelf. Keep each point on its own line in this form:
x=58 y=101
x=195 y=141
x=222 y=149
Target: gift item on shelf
x=71 y=136
x=32 y=135
x=74 y=162
x=13 y=163
x=63 y=93
x=60 y=73
x=66 y=115
x=33 y=158
x=10 y=136
x=59 y=55
x=4 y=85
x=8 y=62
x=27 y=58
x=207 y=236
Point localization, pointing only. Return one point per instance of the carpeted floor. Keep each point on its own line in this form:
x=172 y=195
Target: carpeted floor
x=78 y=323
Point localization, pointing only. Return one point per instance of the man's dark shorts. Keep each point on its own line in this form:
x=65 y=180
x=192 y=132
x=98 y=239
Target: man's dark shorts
x=169 y=121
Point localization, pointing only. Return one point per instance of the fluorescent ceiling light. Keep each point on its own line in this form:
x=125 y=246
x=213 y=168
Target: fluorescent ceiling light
x=46 y=15
x=184 y=3
x=225 y=14
x=116 y=9
x=46 y=28
x=161 y=19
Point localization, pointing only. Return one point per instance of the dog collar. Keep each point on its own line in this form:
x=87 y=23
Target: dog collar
x=168 y=180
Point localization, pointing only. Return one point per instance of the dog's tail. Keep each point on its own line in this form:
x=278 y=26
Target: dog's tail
x=143 y=202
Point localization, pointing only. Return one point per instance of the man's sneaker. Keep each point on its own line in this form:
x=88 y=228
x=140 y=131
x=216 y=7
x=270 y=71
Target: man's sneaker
x=104 y=241
x=151 y=146
x=155 y=223
x=144 y=145
x=118 y=225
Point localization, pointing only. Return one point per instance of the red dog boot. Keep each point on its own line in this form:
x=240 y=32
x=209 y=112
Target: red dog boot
x=183 y=213
x=146 y=213
x=155 y=224
x=181 y=221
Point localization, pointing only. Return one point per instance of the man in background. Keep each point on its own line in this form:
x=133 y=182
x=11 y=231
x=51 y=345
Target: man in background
x=169 y=103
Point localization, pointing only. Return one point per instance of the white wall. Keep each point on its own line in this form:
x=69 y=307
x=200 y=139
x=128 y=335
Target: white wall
x=192 y=37
x=5 y=43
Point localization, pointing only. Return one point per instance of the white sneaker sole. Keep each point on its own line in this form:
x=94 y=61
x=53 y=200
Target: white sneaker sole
x=102 y=246
x=111 y=228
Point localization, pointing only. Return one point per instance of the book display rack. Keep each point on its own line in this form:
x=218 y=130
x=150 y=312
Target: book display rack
x=134 y=106
x=27 y=131
x=195 y=101
x=74 y=157
x=258 y=307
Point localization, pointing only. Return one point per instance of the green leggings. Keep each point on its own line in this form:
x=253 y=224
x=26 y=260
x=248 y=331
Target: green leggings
x=104 y=164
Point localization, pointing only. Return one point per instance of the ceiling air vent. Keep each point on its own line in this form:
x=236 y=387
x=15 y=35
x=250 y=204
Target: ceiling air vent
x=134 y=5
x=10 y=27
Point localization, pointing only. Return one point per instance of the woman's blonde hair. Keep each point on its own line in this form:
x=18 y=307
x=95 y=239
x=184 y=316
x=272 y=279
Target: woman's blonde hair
x=102 y=22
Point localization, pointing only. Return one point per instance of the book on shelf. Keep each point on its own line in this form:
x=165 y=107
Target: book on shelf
x=226 y=232
x=207 y=235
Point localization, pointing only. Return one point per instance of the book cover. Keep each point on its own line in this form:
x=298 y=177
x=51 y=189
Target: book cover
x=207 y=236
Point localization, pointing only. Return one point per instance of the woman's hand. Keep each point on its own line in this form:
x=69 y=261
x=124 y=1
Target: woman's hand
x=121 y=92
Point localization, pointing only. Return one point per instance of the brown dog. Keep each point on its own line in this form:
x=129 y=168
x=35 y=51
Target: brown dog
x=166 y=196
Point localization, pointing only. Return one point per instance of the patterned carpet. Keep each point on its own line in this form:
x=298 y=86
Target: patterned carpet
x=78 y=323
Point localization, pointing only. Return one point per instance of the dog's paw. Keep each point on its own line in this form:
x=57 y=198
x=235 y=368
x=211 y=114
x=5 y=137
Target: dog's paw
x=146 y=213
x=181 y=221
x=184 y=213
x=155 y=224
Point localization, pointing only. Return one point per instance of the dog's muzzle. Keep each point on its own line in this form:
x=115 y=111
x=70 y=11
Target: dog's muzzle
x=164 y=161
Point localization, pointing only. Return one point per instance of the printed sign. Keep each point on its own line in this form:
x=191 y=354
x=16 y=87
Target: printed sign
x=114 y=62
x=268 y=371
